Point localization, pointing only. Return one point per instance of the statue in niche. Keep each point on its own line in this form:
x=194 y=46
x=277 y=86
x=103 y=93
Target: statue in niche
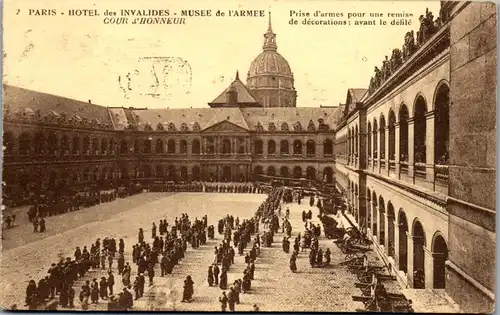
x=396 y=59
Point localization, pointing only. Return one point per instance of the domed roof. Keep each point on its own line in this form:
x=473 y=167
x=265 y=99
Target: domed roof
x=269 y=62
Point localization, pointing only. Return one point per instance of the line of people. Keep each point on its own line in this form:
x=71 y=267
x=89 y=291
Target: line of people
x=62 y=276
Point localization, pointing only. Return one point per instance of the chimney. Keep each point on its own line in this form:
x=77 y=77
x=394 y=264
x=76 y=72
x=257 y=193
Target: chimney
x=90 y=101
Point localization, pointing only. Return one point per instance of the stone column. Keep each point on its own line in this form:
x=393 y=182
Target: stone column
x=386 y=230
x=429 y=144
x=386 y=130
x=377 y=219
x=429 y=268
x=378 y=153
x=369 y=215
x=203 y=145
x=372 y=139
x=409 y=277
x=411 y=149
x=397 y=154
x=190 y=147
x=264 y=148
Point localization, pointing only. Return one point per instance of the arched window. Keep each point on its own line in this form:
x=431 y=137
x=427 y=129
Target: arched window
x=53 y=143
x=297 y=147
x=271 y=171
x=75 y=148
x=171 y=146
x=328 y=147
x=328 y=175
x=392 y=135
x=284 y=150
x=123 y=147
x=375 y=139
x=382 y=137
x=311 y=173
x=65 y=144
x=159 y=171
x=442 y=125
x=284 y=171
x=195 y=147
x=258 y=147
x=196 y=173
x=104 y=146
x=403 y=133
x=39 y=143
x=297 y=172
x=112 y=144
x=159 y=146
x=136 y=146
x=95 y=146
x=183 y=148
x=311 y=147
x=241 y=145
x=147 y=146
x=226 y=146
x=86 y=145
x=271 y=147
x=369 y=140
x=184 y=173
x=356 y=135
x=420 y=130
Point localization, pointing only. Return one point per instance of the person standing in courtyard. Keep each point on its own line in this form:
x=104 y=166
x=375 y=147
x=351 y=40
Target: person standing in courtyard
x=231 y=299
x=210 y=276
x=110 y=282
x=141 y=236
x=153 y=231
x=151 y=274
x=216 y=274
x=293 y=264
x=35 y=225
x=223 y=301
x=42 y=225
x=223 y=280
x=188 y=290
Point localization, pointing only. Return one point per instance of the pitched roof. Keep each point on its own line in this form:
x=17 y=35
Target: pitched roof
x=205 y=117
x=20 y=99
x=357 y=94
x=243 y=94
x=290 y=115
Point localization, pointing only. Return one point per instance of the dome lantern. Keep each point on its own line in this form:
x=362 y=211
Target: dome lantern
x=269 y=38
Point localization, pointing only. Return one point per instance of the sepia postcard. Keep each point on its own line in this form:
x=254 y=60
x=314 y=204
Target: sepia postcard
x=249 y=156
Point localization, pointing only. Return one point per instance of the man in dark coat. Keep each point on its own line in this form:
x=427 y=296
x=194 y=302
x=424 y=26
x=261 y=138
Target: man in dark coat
x=110 y=282
x=216 y=274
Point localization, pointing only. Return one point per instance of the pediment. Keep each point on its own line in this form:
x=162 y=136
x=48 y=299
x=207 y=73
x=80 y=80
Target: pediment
x=225 y=127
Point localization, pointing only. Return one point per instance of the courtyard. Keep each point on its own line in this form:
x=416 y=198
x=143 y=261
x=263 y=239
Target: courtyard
x=27 y=255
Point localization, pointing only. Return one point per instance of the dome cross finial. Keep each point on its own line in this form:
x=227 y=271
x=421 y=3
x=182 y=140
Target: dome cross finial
x=270 y=27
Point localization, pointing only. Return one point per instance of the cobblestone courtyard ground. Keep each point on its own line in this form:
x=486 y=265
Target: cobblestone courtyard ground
x=28 y=255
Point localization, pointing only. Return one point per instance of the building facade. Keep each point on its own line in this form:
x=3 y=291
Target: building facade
x=401 y=168
x=54 y=142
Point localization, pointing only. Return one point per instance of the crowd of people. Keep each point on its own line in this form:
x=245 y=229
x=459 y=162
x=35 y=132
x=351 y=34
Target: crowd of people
x=168 y=247
x=45 y=205
x=241 y=236
x=62 y=276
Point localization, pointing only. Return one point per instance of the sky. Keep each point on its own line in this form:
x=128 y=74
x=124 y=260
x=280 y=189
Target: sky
x=82 y=58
